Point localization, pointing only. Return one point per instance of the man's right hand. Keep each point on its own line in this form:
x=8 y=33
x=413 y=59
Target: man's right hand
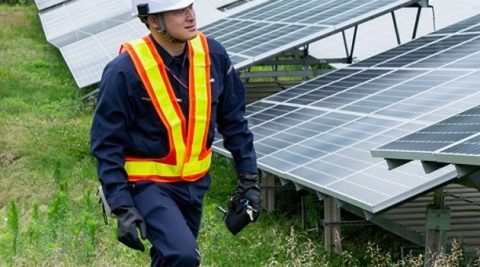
x=129 y=220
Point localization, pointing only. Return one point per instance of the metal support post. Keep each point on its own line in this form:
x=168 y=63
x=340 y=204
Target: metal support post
x=345 y=44
x=306 y=67
x=268 y=192
x=437 y=224
x=395 y=26
x=350 y=57
x=302 y=211
x=417 y=20
x=333 y=236
x=349 y=51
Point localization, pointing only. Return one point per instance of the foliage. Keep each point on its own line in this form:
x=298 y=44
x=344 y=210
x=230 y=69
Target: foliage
x=17 y=2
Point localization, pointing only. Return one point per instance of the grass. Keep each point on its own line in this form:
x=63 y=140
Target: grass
x=49 y=215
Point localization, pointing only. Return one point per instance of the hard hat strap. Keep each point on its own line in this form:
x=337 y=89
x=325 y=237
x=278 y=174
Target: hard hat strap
x=161 y=22
x=163 y=29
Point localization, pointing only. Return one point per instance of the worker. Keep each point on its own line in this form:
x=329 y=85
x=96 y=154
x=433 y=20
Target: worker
x=159 y=103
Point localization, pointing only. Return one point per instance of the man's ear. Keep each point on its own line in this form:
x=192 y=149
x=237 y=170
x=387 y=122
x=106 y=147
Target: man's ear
x=153 y=21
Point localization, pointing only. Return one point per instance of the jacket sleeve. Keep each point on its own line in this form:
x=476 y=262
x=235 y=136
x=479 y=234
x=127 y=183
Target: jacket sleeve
x=108 y=136
x=231 y=123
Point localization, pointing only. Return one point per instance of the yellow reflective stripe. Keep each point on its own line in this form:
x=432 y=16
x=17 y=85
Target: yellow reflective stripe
x=151 y=68
x=202 y=96
x=147 y=168
x=194 y=167
x=161 y=94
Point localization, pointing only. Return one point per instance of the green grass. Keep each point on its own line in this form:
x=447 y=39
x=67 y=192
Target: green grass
x=49 y=215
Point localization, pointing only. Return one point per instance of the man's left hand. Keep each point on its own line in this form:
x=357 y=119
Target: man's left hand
x=248 y=189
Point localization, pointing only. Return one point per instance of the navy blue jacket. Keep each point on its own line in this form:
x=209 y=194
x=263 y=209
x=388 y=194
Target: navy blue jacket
x=125 y=121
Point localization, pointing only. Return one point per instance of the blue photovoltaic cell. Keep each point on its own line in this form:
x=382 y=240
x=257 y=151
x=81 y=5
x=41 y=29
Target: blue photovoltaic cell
x=356 y=8
x=384 y=79
x=461 y=85
x=397 y=51
x=389 y=95
x=333 y=88
x=467 y=147
x=427 y=51
x=465 y=49
x=461 y=26
x=296 y=95
x=455 y=135
x=470 y=62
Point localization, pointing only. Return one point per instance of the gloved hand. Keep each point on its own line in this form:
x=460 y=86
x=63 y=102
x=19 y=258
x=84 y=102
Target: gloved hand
x=248 y=189
x=129 y=220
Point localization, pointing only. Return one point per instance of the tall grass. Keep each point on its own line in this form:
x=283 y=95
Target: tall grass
x=49 y=214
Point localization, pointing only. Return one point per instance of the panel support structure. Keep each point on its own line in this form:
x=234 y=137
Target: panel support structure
x=333 y=236
x=395 y=26
x=394 y=163
x=470 y=175
x=417 y=20
x=437 y=223
x=349 y=52
x=387 y=224
x=268 y=192
x=431 y=166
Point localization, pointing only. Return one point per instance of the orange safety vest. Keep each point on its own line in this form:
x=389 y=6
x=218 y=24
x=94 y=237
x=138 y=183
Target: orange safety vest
x=188 y=158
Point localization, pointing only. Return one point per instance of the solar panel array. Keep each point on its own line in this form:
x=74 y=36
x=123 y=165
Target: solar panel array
x=320 y=133
x=259 y=32
x=87 y=58
x=279 y=25
x=453 y=140
x=77 y=19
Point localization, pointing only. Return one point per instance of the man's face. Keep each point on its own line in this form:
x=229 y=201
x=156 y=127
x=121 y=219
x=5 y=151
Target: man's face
x=181 y=23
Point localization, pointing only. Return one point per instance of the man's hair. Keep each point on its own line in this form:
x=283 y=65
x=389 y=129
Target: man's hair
x=143 y=19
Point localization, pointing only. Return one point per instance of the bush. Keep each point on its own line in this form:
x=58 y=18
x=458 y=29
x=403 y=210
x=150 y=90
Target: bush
x=17 y=2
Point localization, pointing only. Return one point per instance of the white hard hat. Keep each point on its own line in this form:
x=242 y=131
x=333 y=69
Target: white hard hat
x=145 y=7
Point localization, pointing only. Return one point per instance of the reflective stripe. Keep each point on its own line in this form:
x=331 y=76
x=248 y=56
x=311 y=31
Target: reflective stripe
x=188 y=158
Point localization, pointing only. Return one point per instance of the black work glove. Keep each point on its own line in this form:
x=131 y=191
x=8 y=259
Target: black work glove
x=129 y=220
x=247 y=189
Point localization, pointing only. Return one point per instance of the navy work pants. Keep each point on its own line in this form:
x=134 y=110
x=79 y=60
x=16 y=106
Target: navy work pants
x=172 y=212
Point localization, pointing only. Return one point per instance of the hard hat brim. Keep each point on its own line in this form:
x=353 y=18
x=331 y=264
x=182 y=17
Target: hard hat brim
x=180 y=5
x=159 y=7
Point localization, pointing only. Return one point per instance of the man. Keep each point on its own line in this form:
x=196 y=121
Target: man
x=159 y=103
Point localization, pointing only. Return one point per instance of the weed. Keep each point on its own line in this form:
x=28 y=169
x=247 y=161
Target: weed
x=452 y=259
x=13 y=224
x=34 y=228
x=10 y=237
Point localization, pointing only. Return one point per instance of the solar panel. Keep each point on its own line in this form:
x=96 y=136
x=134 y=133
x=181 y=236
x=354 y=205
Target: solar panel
x=319 y=134
x=44 y=4
x=378 y=35
x=279 y=25
x=453 y=140
x=78 y=19
x=87 y=57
